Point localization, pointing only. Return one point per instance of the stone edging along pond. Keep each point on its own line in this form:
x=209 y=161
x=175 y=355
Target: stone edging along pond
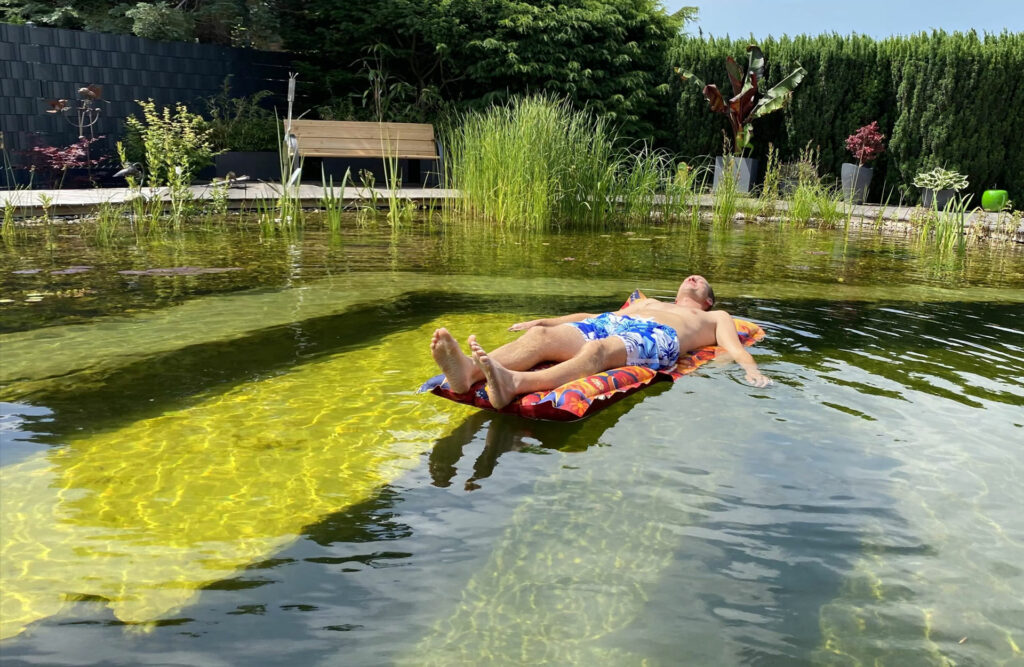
x=31 y=205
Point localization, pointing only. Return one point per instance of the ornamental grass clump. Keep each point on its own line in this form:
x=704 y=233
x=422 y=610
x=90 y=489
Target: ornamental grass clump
x=536 y=162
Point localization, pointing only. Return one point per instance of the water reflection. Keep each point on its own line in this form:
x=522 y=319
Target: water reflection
x=864 y=510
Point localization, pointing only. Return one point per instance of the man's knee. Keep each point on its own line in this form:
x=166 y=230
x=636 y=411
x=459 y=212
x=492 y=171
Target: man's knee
x=537 y=332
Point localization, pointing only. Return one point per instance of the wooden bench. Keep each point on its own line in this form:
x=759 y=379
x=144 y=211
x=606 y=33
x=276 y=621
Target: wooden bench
x=351 y=139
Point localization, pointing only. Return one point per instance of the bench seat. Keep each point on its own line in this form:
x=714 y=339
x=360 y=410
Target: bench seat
x=353 y=139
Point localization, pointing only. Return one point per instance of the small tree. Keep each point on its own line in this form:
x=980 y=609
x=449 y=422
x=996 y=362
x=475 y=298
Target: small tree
x=866 y=144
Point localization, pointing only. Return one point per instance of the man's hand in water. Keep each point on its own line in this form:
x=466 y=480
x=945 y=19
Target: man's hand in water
x=523 y=326
x=756 y=379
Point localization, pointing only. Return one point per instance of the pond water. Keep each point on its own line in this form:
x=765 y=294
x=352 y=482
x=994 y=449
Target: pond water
x=233 y=467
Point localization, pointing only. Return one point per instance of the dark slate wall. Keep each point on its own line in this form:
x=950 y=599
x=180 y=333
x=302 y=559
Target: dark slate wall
x=38 y=64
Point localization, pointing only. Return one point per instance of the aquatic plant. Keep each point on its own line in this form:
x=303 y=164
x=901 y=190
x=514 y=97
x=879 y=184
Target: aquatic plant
x=947 y=227
x=537 y=163
x=533 y=162
x=400 y=208
x=726 y=197
x=333 y=204
x=8 y=230
x=770 y=189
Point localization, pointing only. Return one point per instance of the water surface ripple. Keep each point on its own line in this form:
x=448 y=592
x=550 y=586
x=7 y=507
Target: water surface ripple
x=242 y=475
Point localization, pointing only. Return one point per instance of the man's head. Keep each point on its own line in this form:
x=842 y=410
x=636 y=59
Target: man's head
x=697 y=290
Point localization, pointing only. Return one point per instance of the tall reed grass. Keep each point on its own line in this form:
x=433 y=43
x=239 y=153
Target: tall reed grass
x=536 y=163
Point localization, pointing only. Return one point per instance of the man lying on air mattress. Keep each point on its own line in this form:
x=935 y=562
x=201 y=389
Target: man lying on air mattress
x=592 y=356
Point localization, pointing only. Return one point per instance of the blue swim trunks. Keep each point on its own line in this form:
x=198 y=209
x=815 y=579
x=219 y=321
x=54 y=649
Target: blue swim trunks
x=648 y=343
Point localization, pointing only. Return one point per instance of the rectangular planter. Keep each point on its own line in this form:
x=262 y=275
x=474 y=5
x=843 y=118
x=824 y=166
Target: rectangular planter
x=856 y=181
x=744 y=172
x=257 y=165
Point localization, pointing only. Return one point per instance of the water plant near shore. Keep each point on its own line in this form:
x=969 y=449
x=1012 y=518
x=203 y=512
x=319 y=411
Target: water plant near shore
x=537 y=163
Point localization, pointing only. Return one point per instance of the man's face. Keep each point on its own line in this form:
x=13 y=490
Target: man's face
x=698 y=288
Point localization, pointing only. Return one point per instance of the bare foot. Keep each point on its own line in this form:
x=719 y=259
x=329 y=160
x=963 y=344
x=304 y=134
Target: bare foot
x=500 y=381
x=457 y=367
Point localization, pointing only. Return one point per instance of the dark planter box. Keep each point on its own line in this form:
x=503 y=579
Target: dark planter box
x=412 y=172
x=257 y=165
x=744 y=171
x=938 y=198
x=856 y=181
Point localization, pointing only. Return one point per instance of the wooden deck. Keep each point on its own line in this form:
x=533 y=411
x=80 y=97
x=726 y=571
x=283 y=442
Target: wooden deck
x=31 y=203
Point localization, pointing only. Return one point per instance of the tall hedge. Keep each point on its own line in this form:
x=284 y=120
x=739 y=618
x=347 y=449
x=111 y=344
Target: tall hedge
x=608 y=55
x=953 y=100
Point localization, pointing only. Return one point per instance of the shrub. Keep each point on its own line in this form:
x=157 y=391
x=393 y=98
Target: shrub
x=241 y=123
x=176 y=143
x=866 y=144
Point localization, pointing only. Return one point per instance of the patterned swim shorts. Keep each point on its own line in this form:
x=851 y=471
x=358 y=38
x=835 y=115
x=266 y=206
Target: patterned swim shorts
x=648 y=343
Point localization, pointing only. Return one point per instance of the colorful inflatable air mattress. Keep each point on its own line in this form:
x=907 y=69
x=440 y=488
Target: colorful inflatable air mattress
x=581 y=398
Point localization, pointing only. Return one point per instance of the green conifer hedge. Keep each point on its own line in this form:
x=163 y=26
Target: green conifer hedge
x=953 y=100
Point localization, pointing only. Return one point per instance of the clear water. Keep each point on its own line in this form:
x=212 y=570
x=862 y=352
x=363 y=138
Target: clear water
x=233 y=468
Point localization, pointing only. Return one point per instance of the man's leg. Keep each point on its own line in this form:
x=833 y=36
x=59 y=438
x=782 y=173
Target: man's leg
x=504 y=384
x=557 y=343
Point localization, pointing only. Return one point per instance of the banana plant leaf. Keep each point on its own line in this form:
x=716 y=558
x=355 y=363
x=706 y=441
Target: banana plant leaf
x=755 y=64
x=736 y=77
x=744 y=138
x=714 y=98
x=743 y=104
x=779 y=95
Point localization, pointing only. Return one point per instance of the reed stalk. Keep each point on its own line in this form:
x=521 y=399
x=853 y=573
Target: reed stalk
x=725 y=197
x=333 y=204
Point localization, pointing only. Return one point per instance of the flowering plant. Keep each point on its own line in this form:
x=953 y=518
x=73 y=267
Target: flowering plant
x=866 y=144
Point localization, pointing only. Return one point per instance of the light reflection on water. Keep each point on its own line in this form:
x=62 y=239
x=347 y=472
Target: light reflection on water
x=864 y=509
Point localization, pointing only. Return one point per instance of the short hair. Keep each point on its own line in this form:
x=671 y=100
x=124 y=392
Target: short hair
x=711 y=295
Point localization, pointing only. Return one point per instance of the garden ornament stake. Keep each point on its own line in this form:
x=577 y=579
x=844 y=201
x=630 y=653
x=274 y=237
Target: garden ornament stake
x=747 y=103
x=86 y=110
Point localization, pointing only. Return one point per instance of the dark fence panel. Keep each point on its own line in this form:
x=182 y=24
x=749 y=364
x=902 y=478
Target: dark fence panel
x=38 y=64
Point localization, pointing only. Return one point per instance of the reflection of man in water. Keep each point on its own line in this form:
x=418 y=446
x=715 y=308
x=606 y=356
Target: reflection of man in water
x=646 y=332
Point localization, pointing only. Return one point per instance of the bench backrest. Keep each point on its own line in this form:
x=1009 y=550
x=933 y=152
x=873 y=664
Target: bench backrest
x=335 y=138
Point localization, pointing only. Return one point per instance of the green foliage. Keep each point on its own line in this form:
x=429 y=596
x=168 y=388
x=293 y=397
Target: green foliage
x=241 y=123
x=748 y=102
x=160 y=21
x=941 y=98
x=176 y=142
x=250 y=23
x=607 y=55
x=941 y=179
x=536 y=163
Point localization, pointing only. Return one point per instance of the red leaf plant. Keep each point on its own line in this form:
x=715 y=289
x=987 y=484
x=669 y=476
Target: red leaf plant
x=866 y=144
x=56 y=161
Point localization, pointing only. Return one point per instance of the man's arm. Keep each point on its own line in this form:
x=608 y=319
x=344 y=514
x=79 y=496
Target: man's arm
x=726 y=336
x=550 y=321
